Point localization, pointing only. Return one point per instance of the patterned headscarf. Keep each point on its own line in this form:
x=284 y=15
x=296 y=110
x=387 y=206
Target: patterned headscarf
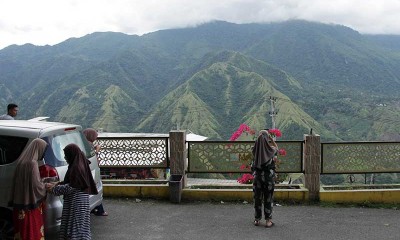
x=28 y=191
x=78 y=174
x=90 y=134
x=263 y=153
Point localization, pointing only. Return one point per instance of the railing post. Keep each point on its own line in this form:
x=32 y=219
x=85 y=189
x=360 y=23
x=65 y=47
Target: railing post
x=178 y=154
x=312 y=165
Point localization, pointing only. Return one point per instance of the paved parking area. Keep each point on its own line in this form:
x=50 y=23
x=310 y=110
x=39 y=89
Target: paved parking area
x=152 y=219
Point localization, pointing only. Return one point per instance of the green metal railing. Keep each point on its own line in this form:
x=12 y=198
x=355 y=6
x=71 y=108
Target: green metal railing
x=126 y=153
x=230 y=157
x=360 y=157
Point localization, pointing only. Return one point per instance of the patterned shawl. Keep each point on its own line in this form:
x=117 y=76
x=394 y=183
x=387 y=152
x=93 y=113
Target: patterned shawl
x=78 y=174
x=263 y=153
x=28 y=190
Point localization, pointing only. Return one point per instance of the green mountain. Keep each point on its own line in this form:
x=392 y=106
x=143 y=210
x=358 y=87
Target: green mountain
x=213 y=77
x=391 y=42
x=330 y=54
x=213 y=98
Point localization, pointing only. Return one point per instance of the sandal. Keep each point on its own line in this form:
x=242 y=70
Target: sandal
x=256 y=222
x=269 y=224
x=101 y=214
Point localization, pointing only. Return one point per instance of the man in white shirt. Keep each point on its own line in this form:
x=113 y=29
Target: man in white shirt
x=12 y=110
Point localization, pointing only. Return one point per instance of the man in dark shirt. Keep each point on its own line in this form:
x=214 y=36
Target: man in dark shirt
x=12 y=110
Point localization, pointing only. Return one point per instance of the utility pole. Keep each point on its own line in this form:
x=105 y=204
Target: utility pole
x=273 y=113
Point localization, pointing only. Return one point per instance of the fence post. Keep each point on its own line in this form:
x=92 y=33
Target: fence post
x=312 y=165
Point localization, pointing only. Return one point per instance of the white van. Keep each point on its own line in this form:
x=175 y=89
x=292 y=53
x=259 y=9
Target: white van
x=15 y=135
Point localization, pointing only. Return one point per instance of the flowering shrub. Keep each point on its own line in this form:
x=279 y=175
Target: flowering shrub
x=282 y=152
x=246 y=158
x=247 y=178
x=275 y=132
x=242 y=128
x=244 y=166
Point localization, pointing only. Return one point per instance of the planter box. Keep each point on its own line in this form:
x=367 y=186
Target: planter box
x=291 y=193
x=361 y=194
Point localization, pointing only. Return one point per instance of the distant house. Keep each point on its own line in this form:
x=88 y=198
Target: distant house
x=194 y=137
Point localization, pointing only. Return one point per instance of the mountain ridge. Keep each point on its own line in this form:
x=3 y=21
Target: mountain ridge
x=330 y=78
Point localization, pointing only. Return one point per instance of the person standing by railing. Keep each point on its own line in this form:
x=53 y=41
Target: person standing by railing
x=91 y=135
x=263 y=168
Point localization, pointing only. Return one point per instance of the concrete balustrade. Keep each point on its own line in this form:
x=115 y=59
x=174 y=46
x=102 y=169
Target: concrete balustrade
x=310 y=191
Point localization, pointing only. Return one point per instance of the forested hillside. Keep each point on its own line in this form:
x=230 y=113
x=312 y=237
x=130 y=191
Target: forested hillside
x=211 y=78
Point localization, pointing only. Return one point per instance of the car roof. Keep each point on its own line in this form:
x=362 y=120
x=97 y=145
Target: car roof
x=34 y=124
x=35 y=128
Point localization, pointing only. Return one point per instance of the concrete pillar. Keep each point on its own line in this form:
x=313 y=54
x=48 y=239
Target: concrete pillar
x=178 y=154
x=312 y=165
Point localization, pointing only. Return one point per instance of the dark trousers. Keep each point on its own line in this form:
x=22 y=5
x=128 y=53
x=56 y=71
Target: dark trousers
x=263 y=192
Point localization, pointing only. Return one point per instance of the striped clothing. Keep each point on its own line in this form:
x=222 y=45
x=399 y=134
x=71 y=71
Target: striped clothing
x=75 y=221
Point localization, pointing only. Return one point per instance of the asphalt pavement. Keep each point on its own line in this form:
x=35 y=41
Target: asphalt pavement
x=146 y=219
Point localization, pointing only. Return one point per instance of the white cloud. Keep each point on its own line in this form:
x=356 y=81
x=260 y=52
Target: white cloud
x=49 y=22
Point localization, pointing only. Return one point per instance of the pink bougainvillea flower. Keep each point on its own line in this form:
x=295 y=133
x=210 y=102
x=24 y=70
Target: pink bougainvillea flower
x=242 y=128
x=282 y=152
x=243 y=167
x=240 y=180
x=233 y=137
x=248 y=177
x=276 y=132
x=245 y=178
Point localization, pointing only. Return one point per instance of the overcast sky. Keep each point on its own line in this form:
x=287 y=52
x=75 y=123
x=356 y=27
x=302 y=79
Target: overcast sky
x=42 y=22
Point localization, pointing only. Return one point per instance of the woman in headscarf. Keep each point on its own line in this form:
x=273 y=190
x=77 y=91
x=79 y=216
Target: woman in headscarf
x=29 y=193
x=77 y=186
x=263 y=167
x=91 y=135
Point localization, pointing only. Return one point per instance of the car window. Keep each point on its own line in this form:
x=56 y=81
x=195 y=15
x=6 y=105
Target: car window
x=11 y=148
x=54 y=156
